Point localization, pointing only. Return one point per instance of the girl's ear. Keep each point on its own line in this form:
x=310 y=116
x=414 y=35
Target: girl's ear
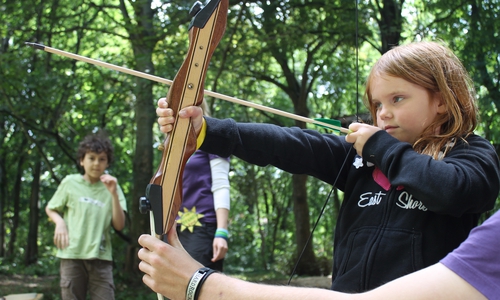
x=441 y=104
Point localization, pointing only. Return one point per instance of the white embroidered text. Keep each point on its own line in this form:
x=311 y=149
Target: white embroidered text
x=406 y=201
x=369 y=199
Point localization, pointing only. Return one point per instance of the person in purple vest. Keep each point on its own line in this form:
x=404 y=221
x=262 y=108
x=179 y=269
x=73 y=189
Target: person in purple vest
x=202 y=225
x=472 y=271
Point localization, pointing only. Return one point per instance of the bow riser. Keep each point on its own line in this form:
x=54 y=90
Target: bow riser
x=187 y=90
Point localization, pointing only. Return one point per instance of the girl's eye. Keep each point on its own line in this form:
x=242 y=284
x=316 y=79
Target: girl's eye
x=377 y=105
x=397 y=99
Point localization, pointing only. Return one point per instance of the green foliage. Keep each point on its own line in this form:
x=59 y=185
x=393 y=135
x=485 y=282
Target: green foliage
x=292 y=55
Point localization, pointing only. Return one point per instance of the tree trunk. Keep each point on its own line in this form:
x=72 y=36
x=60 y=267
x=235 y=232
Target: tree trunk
x=307 y=265
x=31 y=254
x=390 y=24
x=16 y=199
x=3 y=197
x=143 y=41
x=142 y=165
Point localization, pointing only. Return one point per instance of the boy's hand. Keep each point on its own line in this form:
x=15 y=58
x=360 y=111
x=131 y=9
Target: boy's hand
x=61 y=238
x=110 y=182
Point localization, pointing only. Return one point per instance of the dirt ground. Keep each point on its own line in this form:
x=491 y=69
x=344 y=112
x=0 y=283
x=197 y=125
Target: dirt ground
x=31 y=282
x=25 y=281
x=28 y=283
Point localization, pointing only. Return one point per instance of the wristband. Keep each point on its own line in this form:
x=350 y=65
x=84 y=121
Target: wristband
x=222 y=233
x=194 y=286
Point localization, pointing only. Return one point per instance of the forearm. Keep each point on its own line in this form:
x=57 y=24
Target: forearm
x=434 y=282
x=291 y=149
x=53 y=215
x=221 y=287
x=222 y=217
x=118 y=215
x=466 y=180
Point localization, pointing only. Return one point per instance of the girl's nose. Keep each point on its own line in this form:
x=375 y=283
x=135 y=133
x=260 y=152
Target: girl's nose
x=384 y=113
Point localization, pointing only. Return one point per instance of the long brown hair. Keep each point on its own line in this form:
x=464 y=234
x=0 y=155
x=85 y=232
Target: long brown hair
x=436 y=68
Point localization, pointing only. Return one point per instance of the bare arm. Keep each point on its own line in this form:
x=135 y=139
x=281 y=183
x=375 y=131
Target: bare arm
x=168 y=269
x=435 y=282
x=61 y=237
x=118 y=215
x=220 y=246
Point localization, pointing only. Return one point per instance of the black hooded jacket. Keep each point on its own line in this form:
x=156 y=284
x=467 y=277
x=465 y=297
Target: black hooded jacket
x=402 y=211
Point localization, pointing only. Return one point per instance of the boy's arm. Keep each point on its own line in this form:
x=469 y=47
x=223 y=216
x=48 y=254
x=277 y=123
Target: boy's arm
x=118 y=215
x=61 y=238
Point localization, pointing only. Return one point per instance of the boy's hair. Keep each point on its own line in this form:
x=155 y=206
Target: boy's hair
x=436 y=68
x=96 y=142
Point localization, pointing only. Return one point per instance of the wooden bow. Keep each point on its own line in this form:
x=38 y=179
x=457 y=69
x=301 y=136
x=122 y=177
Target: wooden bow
x=164 y=191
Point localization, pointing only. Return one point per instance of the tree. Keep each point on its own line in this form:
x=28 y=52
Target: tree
x=294 y=57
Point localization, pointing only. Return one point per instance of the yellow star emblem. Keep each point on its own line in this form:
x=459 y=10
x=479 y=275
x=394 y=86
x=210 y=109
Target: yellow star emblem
x=188 y=219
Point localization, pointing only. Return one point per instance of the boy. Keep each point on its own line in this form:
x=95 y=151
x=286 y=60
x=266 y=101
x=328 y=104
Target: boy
x=83 y=209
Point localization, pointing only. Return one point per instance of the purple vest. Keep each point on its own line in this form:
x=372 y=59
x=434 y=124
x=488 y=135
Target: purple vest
x=197 y=184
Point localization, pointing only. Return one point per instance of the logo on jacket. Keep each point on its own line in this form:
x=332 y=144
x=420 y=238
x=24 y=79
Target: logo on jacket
x=370 y=199
x=358 y=162
x=406 y=201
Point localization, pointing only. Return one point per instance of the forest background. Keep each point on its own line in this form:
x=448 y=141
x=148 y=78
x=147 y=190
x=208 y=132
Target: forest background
x=308 y=57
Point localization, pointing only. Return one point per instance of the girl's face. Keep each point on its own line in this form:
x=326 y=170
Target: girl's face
x=404 y=109
x=94 y=165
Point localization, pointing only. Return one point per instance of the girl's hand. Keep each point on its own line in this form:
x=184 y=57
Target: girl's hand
x=360 y=133
x=166 y=116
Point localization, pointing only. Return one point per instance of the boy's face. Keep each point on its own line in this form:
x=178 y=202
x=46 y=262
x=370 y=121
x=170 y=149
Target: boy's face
x=404 y=109
x=94 y=164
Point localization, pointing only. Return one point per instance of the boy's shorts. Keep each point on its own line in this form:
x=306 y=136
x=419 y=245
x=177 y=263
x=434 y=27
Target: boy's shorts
x=79 y=276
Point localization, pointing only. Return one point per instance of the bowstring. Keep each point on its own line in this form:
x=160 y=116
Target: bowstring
x=356 y=55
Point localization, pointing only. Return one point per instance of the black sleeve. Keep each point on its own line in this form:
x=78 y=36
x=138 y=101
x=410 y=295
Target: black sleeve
x=295 y=150
x=466 y=180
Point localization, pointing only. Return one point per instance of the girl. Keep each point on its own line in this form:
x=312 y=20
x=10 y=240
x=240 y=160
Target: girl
x=418 y=180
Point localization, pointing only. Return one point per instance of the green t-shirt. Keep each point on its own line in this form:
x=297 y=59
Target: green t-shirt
x=87 y=211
